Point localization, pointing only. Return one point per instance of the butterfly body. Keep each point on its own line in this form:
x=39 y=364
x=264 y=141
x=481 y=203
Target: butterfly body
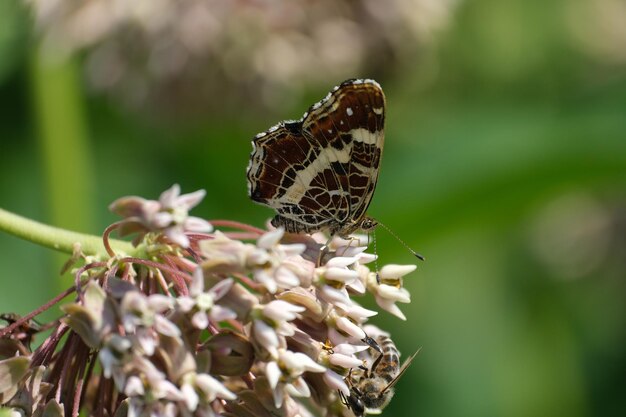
x=319 y=173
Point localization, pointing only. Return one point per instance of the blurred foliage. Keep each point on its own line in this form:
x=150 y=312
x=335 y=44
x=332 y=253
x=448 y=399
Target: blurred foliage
x=505 y=165
x=13 y=32
x=174 y=58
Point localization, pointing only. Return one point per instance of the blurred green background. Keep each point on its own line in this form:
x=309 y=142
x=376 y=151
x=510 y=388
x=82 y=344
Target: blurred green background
x=505 y=165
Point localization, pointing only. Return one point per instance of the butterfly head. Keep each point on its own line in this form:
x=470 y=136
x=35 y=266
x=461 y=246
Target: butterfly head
x=367 y=224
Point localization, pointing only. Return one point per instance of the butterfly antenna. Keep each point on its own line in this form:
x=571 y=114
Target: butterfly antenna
x=417 y=255
x=376 y=256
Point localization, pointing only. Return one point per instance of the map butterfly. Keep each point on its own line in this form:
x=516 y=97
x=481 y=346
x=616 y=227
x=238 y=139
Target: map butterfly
x=319 y=173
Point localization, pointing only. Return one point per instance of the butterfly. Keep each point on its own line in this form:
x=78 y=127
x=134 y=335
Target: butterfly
x=319 y=172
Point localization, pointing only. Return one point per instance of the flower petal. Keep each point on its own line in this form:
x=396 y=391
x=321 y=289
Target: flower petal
x=271 y=238
x=279 y=310
x=196 y=224
x=166 y=327
x=134 y=387
x=392 y=293
x=341 y=261
x=170 y=195
x=200 y=320
x=340 y=274
x=196 y=287
x=213 y=388
x=393 y=271
x=219 y=313
x=298 y=388
x=177 y=235
x=190 y=200
x=272 y=371
x=349 y=327
x=390 y=307
x=265 y=335
x=344 y=361
x=336 y=382
x=221 y=288
x=191 y=398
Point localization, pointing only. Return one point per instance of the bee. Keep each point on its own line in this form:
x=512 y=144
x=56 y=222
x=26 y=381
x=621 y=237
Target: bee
x=372 y=389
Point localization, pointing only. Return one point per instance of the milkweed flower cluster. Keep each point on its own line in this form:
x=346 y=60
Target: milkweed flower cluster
x=203 y=323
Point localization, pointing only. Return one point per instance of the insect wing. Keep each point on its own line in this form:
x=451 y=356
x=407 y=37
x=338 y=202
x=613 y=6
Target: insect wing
x=403 y=369
x=320 y=172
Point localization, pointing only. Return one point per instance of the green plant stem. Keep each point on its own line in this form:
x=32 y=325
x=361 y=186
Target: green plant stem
x=63 y=139
x=59 y=239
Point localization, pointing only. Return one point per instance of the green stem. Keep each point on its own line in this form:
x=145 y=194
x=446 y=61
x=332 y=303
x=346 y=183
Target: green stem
x=59 y=239
x=63 y=138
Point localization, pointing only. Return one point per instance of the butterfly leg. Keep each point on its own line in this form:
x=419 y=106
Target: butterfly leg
x=351 y=240
x=324 y=250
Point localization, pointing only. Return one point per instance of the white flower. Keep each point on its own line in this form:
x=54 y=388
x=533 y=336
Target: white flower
x=395 y=272
x=273 y=264
x=336 y=382
x=205 y=301
x=266 y=336
x=113 y=355
x=169 y=215
x=390 y=289
x=285 y=277
x=279 y=310
x=135 y=311
x=358 y=313
x=342 y=275
x=191 y=397
x=270 y=239
x=285 y=374
x=272 y=323
x=165 y=327
x=212 y=388
x=160 y=303
x=196 y=387
x=390 y=306
x=335 y=277
x=174 y=215
x=344 y=361
x=349 y=327
x=134 y=387
x=336 y=296
x=228 y=253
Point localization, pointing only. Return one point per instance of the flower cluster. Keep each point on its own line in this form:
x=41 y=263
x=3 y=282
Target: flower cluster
x=204 y=323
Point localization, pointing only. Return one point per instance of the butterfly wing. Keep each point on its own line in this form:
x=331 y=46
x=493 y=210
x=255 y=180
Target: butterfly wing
x=276 y=179
x=349 y=126
x=320 y=172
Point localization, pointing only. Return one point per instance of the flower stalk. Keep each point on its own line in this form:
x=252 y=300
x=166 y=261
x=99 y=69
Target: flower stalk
x=59 y=239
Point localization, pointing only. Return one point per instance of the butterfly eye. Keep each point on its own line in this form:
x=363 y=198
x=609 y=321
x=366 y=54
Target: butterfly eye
x=368 y=224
